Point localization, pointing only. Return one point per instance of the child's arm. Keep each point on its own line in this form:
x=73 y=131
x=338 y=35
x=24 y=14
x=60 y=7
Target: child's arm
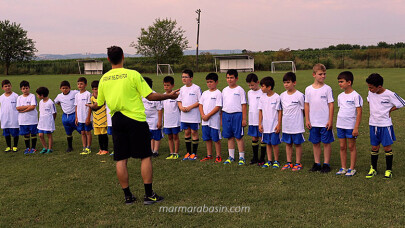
x=200 y=107
x=213 y=111
x=329 y=125
x=21 y=108
x=76 y=121
x=88 y=121
x=278 y=127
x=358 y=120
x=244 y=110
x=306 y=114
x=193 y=106
x=181 y=106
x=159 y=123
x=260 y=121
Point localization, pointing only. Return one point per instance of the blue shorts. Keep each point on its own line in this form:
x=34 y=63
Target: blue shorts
x=109 y=130
x=192 y=126
x=11 y=131
x=345 y=133
x=271 y=138
x=209 y=133
x=45 y=132
x=254 y=131
x=28 y=129
x=296 y=139
x=320 y=134
x=156 y=134
x=382 y=135
x=172 y=130
x=83 y=127
x=232 y=125
x=68 y=122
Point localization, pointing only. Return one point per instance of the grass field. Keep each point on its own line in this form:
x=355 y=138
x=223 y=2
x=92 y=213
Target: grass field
x=68 y=189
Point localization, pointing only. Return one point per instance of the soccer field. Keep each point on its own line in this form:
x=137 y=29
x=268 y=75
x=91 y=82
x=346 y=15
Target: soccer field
x=68 y=189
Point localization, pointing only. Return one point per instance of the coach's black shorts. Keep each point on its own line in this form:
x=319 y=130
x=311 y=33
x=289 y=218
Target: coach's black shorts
x=131 y=138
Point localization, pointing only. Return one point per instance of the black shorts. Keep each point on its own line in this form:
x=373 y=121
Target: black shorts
x=131 y=138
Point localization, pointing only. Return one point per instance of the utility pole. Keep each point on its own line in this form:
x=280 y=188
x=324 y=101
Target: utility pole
x=198 y=35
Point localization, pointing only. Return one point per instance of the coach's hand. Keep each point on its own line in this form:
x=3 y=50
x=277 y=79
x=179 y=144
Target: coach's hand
x=174 y=94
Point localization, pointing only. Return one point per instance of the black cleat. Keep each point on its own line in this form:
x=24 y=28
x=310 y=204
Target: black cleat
x=325 y=168
x=253 y=161
x=155 y=154
x=69 y=149
x=316 y=168
x=130 y=200
x=148 y=200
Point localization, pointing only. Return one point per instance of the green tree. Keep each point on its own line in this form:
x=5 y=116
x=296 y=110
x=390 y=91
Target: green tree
x=162 y=41
x=15 y=46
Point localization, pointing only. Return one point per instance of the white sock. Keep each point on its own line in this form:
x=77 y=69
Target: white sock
x=231 y=153
x=242 y=155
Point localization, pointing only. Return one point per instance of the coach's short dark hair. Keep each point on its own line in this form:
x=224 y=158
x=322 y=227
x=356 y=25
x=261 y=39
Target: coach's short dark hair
x=252 y=78
x=168 y=79
x=94 y=84
x=43 y=91
x=212 y=76
x=64 y=83
x=289 y=76
x=149 y=81
x=115 y=54
x=267 y=81
x=375 y=80
x=82 y=79
x=189 y=72
x=346 y=75
x=5 y=82
x=232 y=72
x=24 y=83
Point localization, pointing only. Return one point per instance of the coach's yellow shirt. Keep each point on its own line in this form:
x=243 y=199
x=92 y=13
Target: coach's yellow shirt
x=123 y=90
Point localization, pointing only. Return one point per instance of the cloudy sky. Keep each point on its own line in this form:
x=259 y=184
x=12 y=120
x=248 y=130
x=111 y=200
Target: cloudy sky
x=89 y=26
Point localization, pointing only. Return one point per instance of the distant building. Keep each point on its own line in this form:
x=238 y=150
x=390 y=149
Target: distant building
x=91 y=66
x=238 y=62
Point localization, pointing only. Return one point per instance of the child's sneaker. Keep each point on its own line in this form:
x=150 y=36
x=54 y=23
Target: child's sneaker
x=8 y=149
x=99 y=152
x=315 y=168
x=49 y=151
x=267 y=164
x=84 y=151
x=260 y=163
x=169 y=157
x=297 y=167
x=350 y=172
x=32 y=151
x=253 y=162
x=287 y=166
x=155 y=154
x=88 y=151
x=388 y=174
x=129 y=200
x=276 y=165
x=27 y=151
x=342 y=171
x=175 y=156
x=104 y=152
x=148 y=200
x=218 y=159
x=15 y=149
x=186 y=157
x=192 y=157
x=112 y=153
x=229 y=160
x=69 y=149
x=206 y=158
x=242 y=161
x=371 y=173
x=43 y=151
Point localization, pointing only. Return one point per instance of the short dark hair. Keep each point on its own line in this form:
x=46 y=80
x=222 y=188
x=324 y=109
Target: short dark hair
x=375 y=80
x=267 y=81
x=289 y=76
x=94 y=84
x=82 y=79
x=168 y=79
x=24 y=83
x=64 y=83
x=5 y=82
x=212 y=76
x=189 y=72
x=149 y=81
x=232 y=72
x=346 y=75
x=252 y=78
x=115 y=54
x=43 y=91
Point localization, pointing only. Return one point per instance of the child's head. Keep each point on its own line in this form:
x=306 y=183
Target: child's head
x=94 y=87
x=42 y=92
x=289 y=80
x=6 y=86
x=149 y=81
x=168 y=83
x=187 y=77
x=267 y=84
x=212 y=81
x=345 y=79
x=319 y=72
x=375 y=82
x=253 y=81
x=81 y=83
x=64 y=87
x=232 y=77
x=115 y=55
x=25 y=87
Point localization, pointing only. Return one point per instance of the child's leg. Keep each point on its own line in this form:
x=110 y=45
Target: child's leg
x=289 y=151
x=8 y=140
x=209 y=147
x=84 y=138
x=263 y=151
x=231 y=147
x=176 y=143
x=100 y=141
x=70 y=141
x=187 y=139
x=16 y=138
x=327 y=151
x=42 y=138
x=50 y=141
x=194 y=135
x=353 y=153
x=88 y=138
x=27 y=141
x=269 y=154
x=343 y=152
x=241 y=147
x=389 y=156
x=218 y=148
x=317 y=152
x=255 y=147
x=33 y=141
x=157 y=145
x=374 y=156
x=152 y=145
x=276 y=151
x=171 y=143
x=298 y=153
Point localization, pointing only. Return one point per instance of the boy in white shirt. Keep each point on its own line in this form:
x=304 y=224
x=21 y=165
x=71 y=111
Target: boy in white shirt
x=350 y=106
x=254 y=95
x=47 y=115
x=382 y=102
x=270 y=120
x=66 y=99
x=190 y=115
x=171 y=119
x=292 y=102
x=234 y=116
x=27 y=117
x=153 y=111
x=9 y=116
x=210 y=110
x=83 y=115
x=319 y=118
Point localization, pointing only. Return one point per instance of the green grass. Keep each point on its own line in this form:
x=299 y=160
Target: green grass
x=63 y=189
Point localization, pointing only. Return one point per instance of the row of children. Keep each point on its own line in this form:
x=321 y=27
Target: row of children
x=271 y=114
x=19 y=116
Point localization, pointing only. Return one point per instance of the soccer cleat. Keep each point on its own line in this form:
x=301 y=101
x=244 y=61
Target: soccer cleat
x=155 y=154
x=104 y=152
x=69 y=149
x=175 y=156
x=88 y=151
x=84 y=151
x=27 y=151
x=371 y=173
x=297 y=167
x=342 y=171
x=253 y=162
x=8 y=149
x=325 y=169
x=388 y=174
x=43 y=151
x=99 y=152
x=186 y=157
x=276 y=165
x=315 y=168
x=192 y=157
x=229 y=160
x=32 y=151
x=350 y=172
x=129 y=200
x=218 y=159
x=15 y=149
x=112 y=153
x=148 y=200
x=287 y=166
x=206 y=158
x=169 y=157
x=49 y=151
x=267 y=164
x=260 y=163
x=242 y=161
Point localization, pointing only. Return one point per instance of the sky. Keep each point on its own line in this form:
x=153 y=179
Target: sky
x=90 y=26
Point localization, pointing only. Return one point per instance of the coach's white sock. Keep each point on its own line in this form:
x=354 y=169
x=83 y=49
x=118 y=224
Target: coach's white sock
x=242 y=155
x=231 y=153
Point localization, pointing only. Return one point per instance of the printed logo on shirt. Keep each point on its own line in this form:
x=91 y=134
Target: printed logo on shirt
x=28 y=102
x=191 y=94
x=323 y=97
x=295 y=102
x=72 y=99
x=351 y=102
x=213 y=98
x=171 y=101
x=236 y=94
x=13 y=102
x=116 y=77
x=273 y=103
x=84 y=99
x=257 y=98
x=385 y=102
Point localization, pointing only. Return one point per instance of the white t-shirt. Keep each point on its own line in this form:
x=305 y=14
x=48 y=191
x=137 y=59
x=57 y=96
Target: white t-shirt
x=171 y=115
x=318 y=100
x=46 y=111
x=31 y=117
x=293 y=116
x=67 y=102
x=348 y=104
x=109 y=121
x=233 y=99
x=253 y=102
x=380 y=106
x=209 y=101
x=8 y=111
x=81 y=99
x=270 y=107
x=151 y=111
x=188 y=96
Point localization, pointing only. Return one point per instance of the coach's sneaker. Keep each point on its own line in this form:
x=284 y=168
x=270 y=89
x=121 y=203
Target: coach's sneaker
x=27 y=151
x=192 y=157
x=229 y=160
x=371 y=173
x=175 y=156
x=154 y=198
x=241 y=161
x=43 y=151
x=315 y=168
x=8 y=149
x=388 y=174
x=129 y=200
x=186 y=157
x=276 y=165
x=267 y=164
x=207 y=158
x=350 y=172
x=287 y=166
x=297 y=167
x=218 y=159
x=342 y=171
x=169 y=157
x=15 y=149
x=32 y=151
